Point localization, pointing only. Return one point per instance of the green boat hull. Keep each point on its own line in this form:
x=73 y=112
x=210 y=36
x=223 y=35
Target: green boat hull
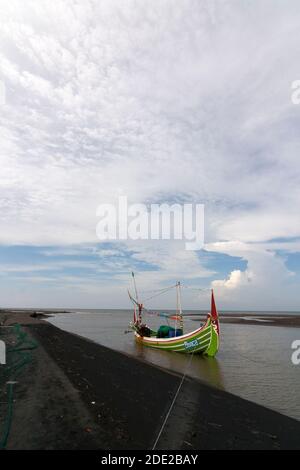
x=204 y=340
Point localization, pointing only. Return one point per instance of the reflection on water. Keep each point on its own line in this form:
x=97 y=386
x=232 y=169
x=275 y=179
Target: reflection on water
x=204 y=368
x=254 y=361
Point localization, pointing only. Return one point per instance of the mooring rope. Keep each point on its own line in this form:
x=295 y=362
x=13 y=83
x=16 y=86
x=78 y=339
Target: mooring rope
x=173 y=403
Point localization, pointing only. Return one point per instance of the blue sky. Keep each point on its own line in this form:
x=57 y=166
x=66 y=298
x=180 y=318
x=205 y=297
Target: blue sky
x=160 y=101
x=78 y=267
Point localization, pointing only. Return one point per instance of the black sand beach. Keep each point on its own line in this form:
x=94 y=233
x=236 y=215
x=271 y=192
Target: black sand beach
x=76 y=394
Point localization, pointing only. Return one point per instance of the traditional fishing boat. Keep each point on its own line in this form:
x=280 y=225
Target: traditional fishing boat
x=203 y=340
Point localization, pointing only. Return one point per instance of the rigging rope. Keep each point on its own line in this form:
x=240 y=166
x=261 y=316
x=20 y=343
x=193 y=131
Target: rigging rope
x=163 y=291
x=158 y=292
x=154 y=290
x=198 y=289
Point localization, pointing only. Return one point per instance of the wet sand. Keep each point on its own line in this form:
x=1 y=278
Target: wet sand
x=76 y=394
x=291 y=321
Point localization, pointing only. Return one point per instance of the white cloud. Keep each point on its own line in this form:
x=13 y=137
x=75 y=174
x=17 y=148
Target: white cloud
x=266 y=282
x=235 y=280
x=155 y=99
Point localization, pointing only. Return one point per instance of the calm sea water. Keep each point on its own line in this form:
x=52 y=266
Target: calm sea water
x=253 y=362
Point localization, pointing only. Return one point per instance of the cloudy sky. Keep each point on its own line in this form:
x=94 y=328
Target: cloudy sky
x=158 y=100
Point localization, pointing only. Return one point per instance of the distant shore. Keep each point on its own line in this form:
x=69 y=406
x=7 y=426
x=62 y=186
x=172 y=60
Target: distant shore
x=76 y=394
x=28 y=316
x=9 y=316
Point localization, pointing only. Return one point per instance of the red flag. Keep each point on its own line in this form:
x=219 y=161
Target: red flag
x=214 y=313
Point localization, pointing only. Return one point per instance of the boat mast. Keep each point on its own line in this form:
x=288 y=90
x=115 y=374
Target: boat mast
x=135 y=289
x=137 y=299
x=179 y=305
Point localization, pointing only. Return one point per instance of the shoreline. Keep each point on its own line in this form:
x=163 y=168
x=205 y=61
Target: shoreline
x=76 y=394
